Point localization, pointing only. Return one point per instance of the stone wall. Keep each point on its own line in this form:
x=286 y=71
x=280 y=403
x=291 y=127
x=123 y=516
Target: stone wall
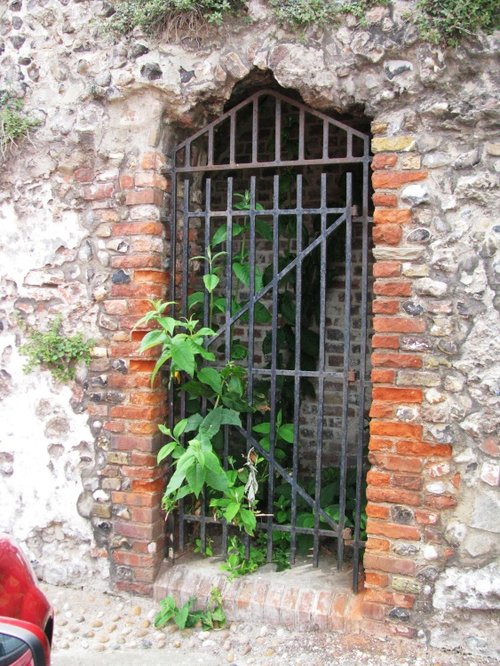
x=83 y=205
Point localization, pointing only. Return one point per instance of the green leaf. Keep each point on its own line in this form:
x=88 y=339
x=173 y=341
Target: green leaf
x=261 y=314
x=262 y=428
x=263 y=228
x=212 y=422
x=151 y=339
x=168 y=323
x=230 y=417
x=248 y=521
x=286 y=432
x=211 y=377
x=210 y=280
x=165 y=451
x=181 y=616
x=166 y=356
x=165 y=430
x=183 y=356
x=231 y=510
x=195 y=298
x=220 y=304
x=238 y=352
x=194 y=388
x=221 y=234
x=195 y=476
x=242 y=272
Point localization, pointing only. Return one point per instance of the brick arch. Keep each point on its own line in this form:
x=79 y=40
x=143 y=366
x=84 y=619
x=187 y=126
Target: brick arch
x=400 y=512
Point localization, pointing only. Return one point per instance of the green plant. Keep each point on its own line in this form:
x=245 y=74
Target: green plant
x=155 y=15
x=237 y=564
x=197 y=465
x=206 y=551
x=14 y=122
x=55 y=351
x=213 y=617
x=447 y=21
x=320 y=13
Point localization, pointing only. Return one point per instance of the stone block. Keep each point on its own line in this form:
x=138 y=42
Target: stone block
x=393 y=144
x=477 y=589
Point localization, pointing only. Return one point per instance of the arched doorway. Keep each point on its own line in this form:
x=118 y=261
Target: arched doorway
x=272 y=234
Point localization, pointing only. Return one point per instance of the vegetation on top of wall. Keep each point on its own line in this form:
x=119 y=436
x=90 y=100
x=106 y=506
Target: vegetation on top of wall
x=439 y=21
x=448 y=21
x=306 y=13
x=15 y=124
x=51 y=349
x=156 y=15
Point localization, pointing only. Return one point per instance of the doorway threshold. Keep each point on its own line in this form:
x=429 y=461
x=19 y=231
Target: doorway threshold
x=302 y=597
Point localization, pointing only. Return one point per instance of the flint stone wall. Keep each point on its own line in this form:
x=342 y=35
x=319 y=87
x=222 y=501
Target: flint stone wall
x=109 y=109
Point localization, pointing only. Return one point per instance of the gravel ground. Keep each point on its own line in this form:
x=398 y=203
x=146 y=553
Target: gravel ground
x=100 y=629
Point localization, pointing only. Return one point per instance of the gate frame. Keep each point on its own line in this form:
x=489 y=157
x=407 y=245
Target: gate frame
x=184 y=168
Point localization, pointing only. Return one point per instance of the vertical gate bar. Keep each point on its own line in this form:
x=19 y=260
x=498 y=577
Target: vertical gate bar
x=170 y=521
x=232 y=138
x=228 y=332
x=345 y=378
x=362 y=372
x=187 y=154
x=301 y=133
x=251 y=318
x=321 y=369
x=349 y=145
x=255 y=130
x=277 y=131
x=210 y=148
x=326 y=130
x=207 y=316
x=184 y=294
x=297 y=366
x=274 y=350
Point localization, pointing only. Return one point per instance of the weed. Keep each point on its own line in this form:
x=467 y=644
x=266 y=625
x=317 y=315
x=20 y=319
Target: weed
x=14 y=122
x=55 y=351
x=213 y=617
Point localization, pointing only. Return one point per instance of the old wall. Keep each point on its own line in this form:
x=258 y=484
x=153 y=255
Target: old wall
x=82 y=206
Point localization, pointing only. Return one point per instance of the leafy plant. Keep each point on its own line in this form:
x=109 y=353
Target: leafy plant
x=197 y=466
x=14 y=122
x=55 y=351
x=237 y=564
x=154 y=15
x=447 y=21
x=213 y=617
x=207 y=550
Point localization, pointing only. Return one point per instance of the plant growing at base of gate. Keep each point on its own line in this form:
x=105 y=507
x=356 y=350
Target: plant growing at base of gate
x=192 y=440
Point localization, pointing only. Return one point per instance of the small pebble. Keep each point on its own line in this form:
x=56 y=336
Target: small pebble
x=136 y=610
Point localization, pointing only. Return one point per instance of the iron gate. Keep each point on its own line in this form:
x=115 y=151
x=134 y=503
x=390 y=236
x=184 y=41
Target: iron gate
x=286 y=188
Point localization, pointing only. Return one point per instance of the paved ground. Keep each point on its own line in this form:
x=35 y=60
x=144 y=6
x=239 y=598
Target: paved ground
x=95 y=629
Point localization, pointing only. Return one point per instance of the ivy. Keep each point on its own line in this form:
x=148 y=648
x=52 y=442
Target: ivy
x=15 y=124
x=55 y=351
